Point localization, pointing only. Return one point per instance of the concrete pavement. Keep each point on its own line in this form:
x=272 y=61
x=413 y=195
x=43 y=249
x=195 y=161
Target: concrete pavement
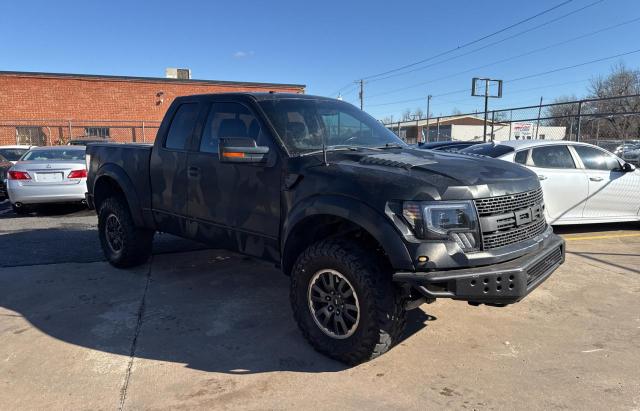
x=206 y=329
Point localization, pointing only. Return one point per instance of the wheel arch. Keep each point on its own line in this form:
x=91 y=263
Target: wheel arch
x=113 y=179
x=322 y=217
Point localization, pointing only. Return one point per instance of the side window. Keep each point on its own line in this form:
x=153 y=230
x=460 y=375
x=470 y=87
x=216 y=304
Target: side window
x=229 y=120
x=594 y=159
x=521 y=157
x=552 y=157
x=182 y=126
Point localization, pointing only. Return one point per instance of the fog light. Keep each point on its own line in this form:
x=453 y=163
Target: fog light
x=423 y=259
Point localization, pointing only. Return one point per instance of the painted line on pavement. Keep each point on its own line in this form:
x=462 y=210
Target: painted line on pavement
x=599 y=237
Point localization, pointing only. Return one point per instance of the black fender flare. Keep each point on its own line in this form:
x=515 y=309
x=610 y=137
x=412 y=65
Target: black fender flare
x=356 y=211
x=117 y=174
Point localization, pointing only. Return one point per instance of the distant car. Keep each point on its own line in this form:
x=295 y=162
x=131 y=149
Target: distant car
x=446 y=145
x=5 y=165
x=621 y=149
x=47 y=175
x=83 y=141
x=581 y=183
x=632 y=155
x=13 y=153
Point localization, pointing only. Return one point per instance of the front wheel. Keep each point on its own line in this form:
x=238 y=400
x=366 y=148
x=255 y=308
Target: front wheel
x=345 y=306
x=123 y=244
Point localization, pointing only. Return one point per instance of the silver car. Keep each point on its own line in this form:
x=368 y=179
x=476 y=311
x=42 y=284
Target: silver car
x=47 y=175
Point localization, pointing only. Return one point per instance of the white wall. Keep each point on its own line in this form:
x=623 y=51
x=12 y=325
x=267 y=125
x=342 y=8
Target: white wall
x=501 y=132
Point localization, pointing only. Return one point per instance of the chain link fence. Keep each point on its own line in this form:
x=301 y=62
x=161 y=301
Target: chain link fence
x=612 y=123
x=60 y=132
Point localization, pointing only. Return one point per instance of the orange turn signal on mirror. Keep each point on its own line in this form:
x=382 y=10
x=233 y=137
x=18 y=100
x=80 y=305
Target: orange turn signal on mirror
x=233 y=154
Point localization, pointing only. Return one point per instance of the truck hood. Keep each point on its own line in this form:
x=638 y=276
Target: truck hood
x=424 y=174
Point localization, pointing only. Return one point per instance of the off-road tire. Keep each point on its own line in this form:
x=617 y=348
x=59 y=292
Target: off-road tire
x=382 y=313
x=136 y=242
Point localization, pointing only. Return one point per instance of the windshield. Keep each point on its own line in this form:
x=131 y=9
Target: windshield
x=52 y=155
x=304 y=125
x=12 y=154
x=488 y=149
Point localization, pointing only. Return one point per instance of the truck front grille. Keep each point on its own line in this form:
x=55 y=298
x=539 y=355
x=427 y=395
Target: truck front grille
x=512 y=218
x=505 y=204
x=514 y=235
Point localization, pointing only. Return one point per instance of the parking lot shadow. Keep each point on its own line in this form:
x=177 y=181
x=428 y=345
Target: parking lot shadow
x=210 y=310
x=596 y=228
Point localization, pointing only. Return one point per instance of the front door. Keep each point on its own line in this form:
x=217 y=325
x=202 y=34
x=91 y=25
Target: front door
x=613 y=193
x=564 y=186
x=168 y=169
x=235 y=202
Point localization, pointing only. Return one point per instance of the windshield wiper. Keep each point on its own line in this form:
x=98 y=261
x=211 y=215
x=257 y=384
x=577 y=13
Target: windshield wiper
x=390 y=145
x=339 y=147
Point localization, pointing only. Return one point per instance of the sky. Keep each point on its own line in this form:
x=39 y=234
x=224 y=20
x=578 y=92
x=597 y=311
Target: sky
x=330 y=44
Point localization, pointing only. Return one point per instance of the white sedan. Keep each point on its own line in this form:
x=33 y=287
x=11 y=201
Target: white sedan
x=47 y=175
x=581 y=183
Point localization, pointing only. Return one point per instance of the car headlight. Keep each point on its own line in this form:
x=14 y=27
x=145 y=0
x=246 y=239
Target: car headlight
x=444 y=220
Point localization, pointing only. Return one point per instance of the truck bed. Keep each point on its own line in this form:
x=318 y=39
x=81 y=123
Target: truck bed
x=131 y=160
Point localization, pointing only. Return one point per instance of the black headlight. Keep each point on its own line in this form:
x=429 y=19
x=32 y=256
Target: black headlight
x=444 y=220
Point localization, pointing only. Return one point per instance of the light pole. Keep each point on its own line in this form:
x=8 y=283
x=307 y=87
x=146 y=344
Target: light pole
x=486 y=93
x=425 y=139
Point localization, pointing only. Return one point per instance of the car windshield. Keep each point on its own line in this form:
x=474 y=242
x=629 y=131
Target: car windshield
x=12 y=154
x=304 y=125
x=488 y=149
x=53 y=155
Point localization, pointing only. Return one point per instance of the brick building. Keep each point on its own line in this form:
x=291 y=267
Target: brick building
x=51 y=108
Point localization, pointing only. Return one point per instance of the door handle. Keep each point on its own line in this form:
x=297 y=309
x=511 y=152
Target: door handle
x=596 y=178
x=541 y=177
x=193 y=171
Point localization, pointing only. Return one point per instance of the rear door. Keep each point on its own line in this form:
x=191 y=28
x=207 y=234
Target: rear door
x=564 y=186
x=168 y=169
x=236 y=202
x=613 y=193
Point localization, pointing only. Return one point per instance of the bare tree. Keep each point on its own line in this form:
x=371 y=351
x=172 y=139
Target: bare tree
x=418 y=113
x=562 y=113
x=406 y=115
x=610 y=120
x=387 y=119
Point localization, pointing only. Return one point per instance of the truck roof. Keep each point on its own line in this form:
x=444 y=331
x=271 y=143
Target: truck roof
x=261 y=96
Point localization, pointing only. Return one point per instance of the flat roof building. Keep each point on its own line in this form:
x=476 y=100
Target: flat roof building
x=51 y=108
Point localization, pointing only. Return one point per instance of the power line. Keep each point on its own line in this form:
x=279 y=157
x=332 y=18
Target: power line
x=493 y=43
x=470 y=42
x=519 y=78
x=510 y=58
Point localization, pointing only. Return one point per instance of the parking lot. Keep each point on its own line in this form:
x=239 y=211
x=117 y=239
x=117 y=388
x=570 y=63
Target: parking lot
x=203 y=328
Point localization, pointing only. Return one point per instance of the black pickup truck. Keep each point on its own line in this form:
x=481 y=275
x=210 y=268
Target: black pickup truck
x=365 y=226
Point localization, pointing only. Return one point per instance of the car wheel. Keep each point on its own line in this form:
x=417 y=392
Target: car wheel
x=123 y=244
x=345 y=306
x=22 y=210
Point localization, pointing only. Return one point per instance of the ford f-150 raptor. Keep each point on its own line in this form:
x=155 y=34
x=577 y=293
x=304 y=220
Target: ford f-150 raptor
x=365 y=226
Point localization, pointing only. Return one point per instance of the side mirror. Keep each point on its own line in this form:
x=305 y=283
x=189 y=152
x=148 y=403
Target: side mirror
x=628 y=167
x=241 y=150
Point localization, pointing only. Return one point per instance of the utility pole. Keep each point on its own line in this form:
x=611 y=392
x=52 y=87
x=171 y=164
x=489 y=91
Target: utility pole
x=486 y=111
x=426 y=139
x=361 y=94
x=539 y=113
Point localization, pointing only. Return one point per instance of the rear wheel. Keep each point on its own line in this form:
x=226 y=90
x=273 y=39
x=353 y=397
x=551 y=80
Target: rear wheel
x=345 y=306
x=123 y=244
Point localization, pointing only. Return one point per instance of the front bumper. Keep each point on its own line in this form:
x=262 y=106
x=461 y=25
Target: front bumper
x=502 y=283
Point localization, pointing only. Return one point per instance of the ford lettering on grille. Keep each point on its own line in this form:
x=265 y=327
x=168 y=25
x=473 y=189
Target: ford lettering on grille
x=511 y=219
